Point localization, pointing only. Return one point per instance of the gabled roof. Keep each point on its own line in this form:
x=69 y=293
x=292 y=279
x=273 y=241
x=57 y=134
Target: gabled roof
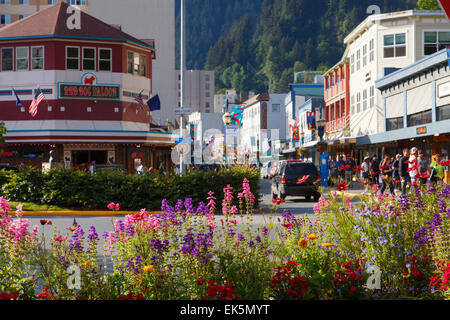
x=52 y=22
x=257 y=98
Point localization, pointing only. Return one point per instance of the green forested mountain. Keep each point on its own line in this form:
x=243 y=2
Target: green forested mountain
x=258 y=44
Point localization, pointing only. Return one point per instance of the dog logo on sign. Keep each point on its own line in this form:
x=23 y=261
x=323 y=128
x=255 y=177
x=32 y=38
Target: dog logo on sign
x=89 y=79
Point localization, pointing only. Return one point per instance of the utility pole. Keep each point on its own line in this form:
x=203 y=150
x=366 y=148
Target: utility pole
x=182 y=67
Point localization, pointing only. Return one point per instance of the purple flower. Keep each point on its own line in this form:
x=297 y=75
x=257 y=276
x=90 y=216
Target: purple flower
x=265 y=231
x=189 y=206
x=93 y=235
x=240 y=237
x=179 y=206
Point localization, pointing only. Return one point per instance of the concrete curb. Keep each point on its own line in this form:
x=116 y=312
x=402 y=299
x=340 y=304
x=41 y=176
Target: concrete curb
x=83 y=213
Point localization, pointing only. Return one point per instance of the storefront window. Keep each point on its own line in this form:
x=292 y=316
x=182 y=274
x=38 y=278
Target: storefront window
x=444 y=113
x=419 y=118
x=394 y=123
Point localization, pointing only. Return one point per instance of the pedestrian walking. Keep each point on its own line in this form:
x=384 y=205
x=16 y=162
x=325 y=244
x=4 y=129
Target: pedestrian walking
x=91 y=168
x=424 y=167
x=349 y=164
x=403 y=170
x=386 y=174
x=365 y=173
x=412 y=165
x=437 y=170
x=396 y=172
x=375 y=170
x=140 y=170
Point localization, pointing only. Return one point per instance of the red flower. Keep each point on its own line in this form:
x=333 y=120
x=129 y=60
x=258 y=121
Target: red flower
x=423 y=175
x=288 y=225
x=413 y=168
x=9 y=296
x=200 y=282
x=358 y=168
x=233 y=221
x=352 y=289
x=43 y=222
x=342 y=187
x=300 y=181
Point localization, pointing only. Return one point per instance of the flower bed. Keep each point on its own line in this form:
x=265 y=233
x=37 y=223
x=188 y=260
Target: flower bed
x=382 y=247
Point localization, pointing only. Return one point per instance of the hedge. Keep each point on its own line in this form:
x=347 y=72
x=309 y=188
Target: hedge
x=81 y=190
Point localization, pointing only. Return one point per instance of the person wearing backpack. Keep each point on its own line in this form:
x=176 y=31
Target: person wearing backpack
x=403 y=170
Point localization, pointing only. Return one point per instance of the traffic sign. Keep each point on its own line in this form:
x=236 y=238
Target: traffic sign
x=182 y=111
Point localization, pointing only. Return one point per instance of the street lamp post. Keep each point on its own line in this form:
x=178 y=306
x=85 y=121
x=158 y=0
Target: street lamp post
x=226 y=121
x=182 y=67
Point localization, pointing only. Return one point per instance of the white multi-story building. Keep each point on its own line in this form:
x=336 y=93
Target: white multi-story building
x=263 y=121
x=148 y=19
x=384 y=43
x=198 y=91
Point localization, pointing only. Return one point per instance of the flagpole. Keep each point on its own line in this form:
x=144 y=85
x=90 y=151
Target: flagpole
x=182 y=67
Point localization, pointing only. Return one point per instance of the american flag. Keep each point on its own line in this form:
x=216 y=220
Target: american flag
x=140 y=101
x=38 y=97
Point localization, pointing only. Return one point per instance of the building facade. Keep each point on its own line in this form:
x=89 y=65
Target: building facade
x=89 y=78
x=263 y=121
x=416 y=108
x=337 y=100
x=380 y=45
x=222 y=102
x=199 y=88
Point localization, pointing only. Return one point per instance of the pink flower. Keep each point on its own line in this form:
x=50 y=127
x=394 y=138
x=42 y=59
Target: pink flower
x=111 y=206
x=19 y=229
x=4 y=206
x=212 y=202
x=19 y=211
x=322 y=206
x=117 y=207
x=234 y=210
x=228 y=193
x=211 y=221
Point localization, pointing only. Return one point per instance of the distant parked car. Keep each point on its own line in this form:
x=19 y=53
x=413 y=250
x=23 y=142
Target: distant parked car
x=8 y=167
x=286 y=177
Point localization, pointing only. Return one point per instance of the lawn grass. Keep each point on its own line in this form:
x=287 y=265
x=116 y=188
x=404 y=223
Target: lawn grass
x=28 y=206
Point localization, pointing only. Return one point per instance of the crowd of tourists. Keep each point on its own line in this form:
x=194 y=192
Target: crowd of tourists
x=393 y=172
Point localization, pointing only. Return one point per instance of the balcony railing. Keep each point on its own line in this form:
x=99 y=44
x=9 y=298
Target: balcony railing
x=338 y=124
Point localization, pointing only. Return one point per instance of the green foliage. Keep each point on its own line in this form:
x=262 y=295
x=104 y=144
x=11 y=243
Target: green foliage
x=267 y=39
x=81 y=190
x=428 y=5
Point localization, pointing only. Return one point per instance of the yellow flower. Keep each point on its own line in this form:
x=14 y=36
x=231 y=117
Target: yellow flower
x=148 y=268
x=312 y=236
x=326 y=245
x=302 y=243
x=85 y=265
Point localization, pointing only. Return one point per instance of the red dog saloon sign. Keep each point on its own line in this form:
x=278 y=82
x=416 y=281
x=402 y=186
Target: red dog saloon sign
x=89 y=89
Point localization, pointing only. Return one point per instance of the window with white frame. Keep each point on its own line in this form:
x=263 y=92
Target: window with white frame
x=364 y=99
x=7 y=59
x=37 y=58
x=104 y=59
x=358 y=59
x=394 y=45
x=22 y=61
x=73 y=58
x=372 y=96
x=358 y=102
x=364 y=55
x=275 y=108
x=435 y=41
x=130 y=62
x=76 y=2
x=5 y=19
x=89 y=59
x=142 y=65
x=371 y=50
x=352 y=105
x=352 y=64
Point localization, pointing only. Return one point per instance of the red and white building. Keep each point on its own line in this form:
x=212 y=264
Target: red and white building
x=337 y=100
x=89 y=77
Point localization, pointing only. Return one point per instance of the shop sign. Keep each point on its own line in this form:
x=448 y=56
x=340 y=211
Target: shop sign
x=88 y=89
x=421 y=130
x=85 y=147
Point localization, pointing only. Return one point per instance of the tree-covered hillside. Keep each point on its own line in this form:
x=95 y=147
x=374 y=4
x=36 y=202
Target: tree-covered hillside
x=258 y=44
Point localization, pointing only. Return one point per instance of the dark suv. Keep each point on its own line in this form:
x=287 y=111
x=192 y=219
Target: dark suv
x=288 y=173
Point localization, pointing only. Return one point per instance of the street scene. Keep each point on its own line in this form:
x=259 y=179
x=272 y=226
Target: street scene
x=191 y=150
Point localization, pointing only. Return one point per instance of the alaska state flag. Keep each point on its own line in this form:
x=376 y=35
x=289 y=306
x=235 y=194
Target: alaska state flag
x=236 y=115
x=154 y=103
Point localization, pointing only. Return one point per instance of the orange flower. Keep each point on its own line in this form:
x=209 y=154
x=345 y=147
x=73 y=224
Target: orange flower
x=302 y=243
x=312 y=236
x=326 y=245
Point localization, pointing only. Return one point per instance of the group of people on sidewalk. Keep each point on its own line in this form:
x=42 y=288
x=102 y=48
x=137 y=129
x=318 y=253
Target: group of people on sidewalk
x=401 y=171
x=396 y=172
